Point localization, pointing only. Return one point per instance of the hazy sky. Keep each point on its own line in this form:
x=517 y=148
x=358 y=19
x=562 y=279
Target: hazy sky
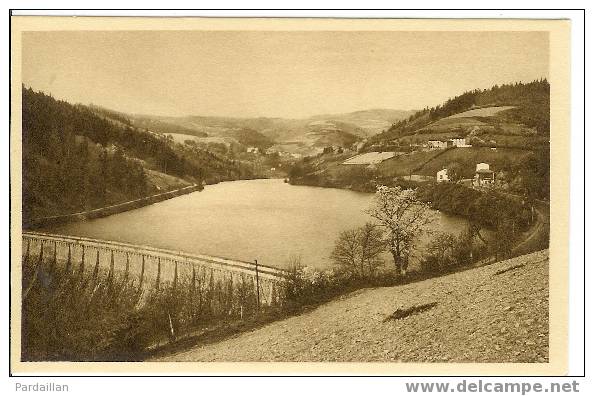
x=276 y=74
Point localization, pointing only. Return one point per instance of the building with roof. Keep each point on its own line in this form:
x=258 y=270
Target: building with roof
x=482 y=165
x=442 y=176
x=458 y=142
x=437 y=144
x=453 y=142
x=483 y=175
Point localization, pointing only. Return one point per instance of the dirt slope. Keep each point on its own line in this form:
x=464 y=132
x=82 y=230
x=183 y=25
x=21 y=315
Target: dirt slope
x=497 y=313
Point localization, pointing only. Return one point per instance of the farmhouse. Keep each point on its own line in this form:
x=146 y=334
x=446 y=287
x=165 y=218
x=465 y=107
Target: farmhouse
x=458 y=142
x=483 y=175
x=482 y=165
x=453 y=142
x=436 y=144
x=442 y=176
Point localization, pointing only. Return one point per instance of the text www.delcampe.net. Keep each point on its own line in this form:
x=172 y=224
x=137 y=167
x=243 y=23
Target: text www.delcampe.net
x=481 y=386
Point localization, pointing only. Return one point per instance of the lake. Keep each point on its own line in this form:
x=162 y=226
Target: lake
x=267 y=220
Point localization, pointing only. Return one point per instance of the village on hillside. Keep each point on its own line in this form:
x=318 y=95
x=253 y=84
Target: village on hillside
x=484 y=176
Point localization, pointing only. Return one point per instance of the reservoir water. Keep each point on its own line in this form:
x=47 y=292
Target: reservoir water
x=267 y=220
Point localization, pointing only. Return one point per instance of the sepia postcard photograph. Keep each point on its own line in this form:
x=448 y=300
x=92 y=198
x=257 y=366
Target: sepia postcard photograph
x=382 y=196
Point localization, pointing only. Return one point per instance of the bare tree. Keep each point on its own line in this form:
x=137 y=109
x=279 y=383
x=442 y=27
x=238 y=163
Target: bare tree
x=404 y=218
x=346 y=252
x=358 y=251
x=372 y=246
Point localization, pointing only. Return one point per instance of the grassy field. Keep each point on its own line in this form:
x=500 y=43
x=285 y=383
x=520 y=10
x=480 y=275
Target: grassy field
x=468 y=157
x=461 y=122
x=405 y=164
x=426 y=163
x=165 y=182
x=424 y=136
x=456 y=125
x=482 y=112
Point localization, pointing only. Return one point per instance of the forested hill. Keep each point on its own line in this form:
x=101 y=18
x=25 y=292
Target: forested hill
x=76 y=158
x=529 y=107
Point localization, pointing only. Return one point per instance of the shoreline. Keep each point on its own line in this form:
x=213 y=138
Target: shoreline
x=123 y=206
x=109 y=210
x=533 y=232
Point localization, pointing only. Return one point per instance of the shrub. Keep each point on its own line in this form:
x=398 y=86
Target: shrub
x=76 y=316
x=447 y=252
x=95 y=315
x=479 y=207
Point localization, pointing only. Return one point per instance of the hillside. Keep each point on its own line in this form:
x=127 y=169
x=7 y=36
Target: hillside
x=251 y=138
x=505 y=127
x=510 y=115
x=303 y=136
x=367 y=122
x=77 y=158
x=517 y=169
x=497 y=313
x=429 y=163
x=156 y=125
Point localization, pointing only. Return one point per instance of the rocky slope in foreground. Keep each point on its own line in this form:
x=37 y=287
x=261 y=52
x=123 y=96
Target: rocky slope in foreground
x=497 y=313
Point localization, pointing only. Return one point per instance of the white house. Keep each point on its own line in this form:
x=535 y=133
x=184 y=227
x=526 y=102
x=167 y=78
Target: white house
x=482 y=165
x=483 y=175
x=454 y=142
x=252 y=150
x=442 y=176
x=437 y=144
x=458 y=142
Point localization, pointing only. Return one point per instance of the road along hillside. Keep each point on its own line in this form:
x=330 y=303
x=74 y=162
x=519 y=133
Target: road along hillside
x=496 y=313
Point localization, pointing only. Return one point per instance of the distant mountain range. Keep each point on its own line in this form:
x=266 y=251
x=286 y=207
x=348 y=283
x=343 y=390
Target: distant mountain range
x=508 y=115
x=304 y=136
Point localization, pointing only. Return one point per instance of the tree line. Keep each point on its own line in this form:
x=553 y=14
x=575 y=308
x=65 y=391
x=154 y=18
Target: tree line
x=532 y=100
x=399 y=217
x=68 y=174
x=77 y=158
